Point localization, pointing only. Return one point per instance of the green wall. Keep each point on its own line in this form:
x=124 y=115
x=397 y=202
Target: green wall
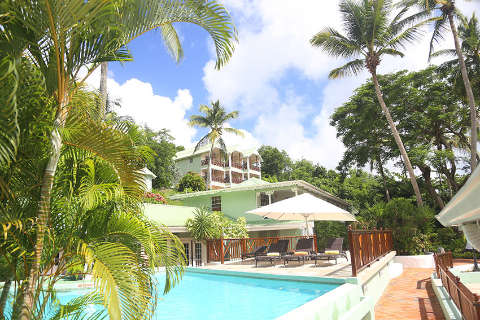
x=234 y=204
x=184 y=166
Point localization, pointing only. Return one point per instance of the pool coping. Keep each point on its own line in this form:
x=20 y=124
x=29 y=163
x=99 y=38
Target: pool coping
x=259 y=275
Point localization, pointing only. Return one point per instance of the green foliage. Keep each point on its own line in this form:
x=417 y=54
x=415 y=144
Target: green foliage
x=191 y=182
x=409 y=224
x=275 y=162
x=215 y=225
x=330 y=229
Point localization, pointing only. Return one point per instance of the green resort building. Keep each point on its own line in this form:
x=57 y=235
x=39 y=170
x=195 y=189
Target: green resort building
x=247 y=192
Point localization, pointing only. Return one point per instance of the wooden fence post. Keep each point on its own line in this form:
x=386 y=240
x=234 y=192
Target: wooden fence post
x=352 y=251
x=243 y=246
x=315 y=244
x=222 y=254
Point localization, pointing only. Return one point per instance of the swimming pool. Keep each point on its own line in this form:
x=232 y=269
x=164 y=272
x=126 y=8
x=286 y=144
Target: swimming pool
x=215 y=296
x=212 y=296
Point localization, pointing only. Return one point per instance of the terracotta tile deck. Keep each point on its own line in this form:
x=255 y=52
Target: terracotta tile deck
x=410 y=296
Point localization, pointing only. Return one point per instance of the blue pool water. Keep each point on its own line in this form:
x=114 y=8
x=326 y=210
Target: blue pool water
x=209 y=296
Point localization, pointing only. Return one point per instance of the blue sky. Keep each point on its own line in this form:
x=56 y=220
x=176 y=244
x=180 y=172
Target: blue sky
x=275 y=79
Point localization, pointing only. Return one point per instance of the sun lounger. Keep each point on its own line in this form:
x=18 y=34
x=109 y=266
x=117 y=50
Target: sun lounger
x=303 y=250
x=275 y=252
x=334 y=250
x=259 y=251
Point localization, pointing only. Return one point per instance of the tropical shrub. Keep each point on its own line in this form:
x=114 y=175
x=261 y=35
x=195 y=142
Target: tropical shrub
x=207 y=225
x=409 y=224
x=191 y=182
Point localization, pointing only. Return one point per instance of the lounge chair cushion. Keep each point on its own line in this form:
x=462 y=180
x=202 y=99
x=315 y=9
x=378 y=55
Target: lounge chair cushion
x=332 y=252
x=301 y=253
x=273 y=254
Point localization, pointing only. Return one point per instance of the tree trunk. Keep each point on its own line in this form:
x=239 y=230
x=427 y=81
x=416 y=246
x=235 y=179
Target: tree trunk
x=43 y=215
x=4 y=296
x=103 y=89
x=468 y=90
x=384 y=180
x=398 y=140
x=428 y=182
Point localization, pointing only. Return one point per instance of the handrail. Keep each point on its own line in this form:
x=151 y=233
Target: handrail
x=466 y=301
x=368 y=246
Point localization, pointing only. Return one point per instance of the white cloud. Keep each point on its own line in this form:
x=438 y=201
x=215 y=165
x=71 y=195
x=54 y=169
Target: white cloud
x=273 y=40
x=138 y=101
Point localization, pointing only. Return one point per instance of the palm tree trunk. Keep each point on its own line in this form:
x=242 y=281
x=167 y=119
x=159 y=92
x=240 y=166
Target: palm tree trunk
x=103 y=89
x=426 y=173
x=398 y=140
x=43 y=215
x=4 y=296
x=384 y=180
x=470 y=97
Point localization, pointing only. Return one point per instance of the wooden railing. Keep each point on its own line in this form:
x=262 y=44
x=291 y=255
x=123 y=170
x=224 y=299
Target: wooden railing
x=466 y=301
x=368 y=246
x=237 y=165
x=232 y=249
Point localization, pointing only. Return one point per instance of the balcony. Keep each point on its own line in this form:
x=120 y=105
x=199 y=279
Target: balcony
x=255 y=167
x=237 y=165
x=218 y=179
x=204 y=162
x=237 y=180
x=218 y=163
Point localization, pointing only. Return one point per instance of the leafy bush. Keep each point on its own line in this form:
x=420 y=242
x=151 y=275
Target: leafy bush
x=191 y=182
x=207 y=225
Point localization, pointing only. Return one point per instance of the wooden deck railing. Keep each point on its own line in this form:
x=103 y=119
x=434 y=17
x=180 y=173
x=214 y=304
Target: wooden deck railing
x=466 y=301
x=231 y=249
x=368 y=246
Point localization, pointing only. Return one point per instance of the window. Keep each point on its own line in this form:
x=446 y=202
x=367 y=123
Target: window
x=216 y=204
x=198 y=254
x=264 y=200
x=187 y=253
x=191 y=160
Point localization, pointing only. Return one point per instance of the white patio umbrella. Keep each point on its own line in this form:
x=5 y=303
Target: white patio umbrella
x=304 y=206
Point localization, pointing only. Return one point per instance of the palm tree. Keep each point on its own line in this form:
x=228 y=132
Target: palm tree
x=96 y=219
x=445 y=10
x=214 y=118
x=62 y=37
x=469 y=33
x=370 y=35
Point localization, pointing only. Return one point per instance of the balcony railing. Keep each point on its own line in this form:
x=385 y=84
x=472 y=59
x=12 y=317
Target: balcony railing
x=237 y=165
x=204 y=162
x=218 y=179
x=237 y=180
x=255 y=167
x=218 y=163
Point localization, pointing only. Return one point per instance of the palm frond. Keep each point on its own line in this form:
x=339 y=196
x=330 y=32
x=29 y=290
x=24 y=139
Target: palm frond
x=118 y=276
x=172 y=41
x=351 y=68
x=236 y=132
x=9 y=130
x=444 y=52
x=439 y=29
x=334 y=43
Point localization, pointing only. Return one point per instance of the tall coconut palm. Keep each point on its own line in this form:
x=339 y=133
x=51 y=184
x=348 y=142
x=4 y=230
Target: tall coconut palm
x=370 y=35
x=446 y=12
x=62 y=37
x=214 y=118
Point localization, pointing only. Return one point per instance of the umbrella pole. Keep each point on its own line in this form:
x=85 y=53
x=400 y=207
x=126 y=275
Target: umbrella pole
x=306 y=226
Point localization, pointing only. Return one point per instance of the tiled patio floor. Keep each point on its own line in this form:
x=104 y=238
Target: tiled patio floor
x=410 y=296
